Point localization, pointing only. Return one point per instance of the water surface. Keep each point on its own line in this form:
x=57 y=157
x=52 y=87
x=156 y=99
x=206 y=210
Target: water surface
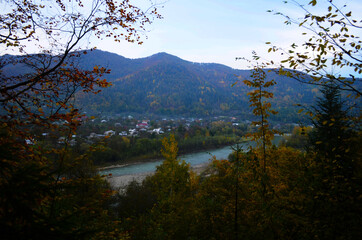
x=192 y=158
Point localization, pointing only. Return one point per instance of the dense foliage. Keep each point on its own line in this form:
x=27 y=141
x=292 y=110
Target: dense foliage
x=293 y=198
x=51 y=190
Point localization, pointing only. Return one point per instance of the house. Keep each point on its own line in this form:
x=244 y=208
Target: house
x=109 y=133
x=132 y=132
x=123 y=133
x=157 y=130
x=82 y=118
x=63 y=140
x=92 y=135
x=95 y=135
x=142 y=125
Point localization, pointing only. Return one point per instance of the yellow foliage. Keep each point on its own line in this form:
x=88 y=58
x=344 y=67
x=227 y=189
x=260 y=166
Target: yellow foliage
x=126 y=140
x=169 y=148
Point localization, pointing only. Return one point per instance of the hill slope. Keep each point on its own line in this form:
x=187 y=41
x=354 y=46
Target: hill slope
x=165 y=84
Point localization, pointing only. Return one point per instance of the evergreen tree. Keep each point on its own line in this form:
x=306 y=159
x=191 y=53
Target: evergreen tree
x=335 y=186
x=333 y=137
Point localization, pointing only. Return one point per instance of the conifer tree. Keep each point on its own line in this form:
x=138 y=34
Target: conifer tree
x=335 y=186
x=333 y=137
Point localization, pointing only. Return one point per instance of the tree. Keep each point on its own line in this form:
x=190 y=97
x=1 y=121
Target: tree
x=332 y=42
x=261 y=107
x=42 y=90
x=336 y=165
x=333 y=137
x=215 y=202
x=46 y=192
x=333 y=180
x=173 y=184
x=298 y=138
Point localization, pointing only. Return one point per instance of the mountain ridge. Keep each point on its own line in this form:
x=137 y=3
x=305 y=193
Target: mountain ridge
x=166 y=84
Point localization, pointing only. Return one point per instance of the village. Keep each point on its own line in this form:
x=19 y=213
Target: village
x=140 y=126
x=94 y=129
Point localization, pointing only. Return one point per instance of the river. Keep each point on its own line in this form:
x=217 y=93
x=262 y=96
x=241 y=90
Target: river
x=192 y=158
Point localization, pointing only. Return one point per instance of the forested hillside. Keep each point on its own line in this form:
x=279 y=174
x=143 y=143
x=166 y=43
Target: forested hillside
x=166 y=84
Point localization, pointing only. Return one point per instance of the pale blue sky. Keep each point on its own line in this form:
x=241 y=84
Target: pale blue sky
x=208 y=30
x=214 y=31
x=218 y=30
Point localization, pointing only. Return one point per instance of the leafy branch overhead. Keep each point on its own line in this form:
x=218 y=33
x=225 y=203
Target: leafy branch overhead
x=332 y=44
x=44 y=87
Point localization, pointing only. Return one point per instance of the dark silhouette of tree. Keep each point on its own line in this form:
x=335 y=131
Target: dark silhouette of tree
x=334 y=136
x=335 y=186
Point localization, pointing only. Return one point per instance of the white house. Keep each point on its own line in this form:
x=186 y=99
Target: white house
x=132 y=132
x=157 y=130
x=109 y=133
x=123 y=133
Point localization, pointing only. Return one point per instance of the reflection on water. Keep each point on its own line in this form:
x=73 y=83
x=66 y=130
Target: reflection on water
x=192 y=158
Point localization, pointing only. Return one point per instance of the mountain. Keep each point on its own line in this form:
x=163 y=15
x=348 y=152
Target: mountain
x=165 y=84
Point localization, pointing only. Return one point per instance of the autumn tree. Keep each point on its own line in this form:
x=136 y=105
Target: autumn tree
x=39 y=87
x=261 y=108
x=173 y=184
x=215 y=202
x=243 y=183
x=330 y=57
x=331 y=50
x=332 y=47
x=46 y=192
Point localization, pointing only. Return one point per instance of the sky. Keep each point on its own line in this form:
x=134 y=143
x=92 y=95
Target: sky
x=218 y=31
x=212 y=31
x=208 y=31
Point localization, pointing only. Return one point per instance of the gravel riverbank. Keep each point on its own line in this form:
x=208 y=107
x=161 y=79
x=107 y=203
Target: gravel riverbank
x=121 y=182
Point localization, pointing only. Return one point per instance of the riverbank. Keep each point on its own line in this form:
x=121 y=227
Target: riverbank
x=183 y=150
x=121 y=176
x=140 y=161
x=121 y=182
